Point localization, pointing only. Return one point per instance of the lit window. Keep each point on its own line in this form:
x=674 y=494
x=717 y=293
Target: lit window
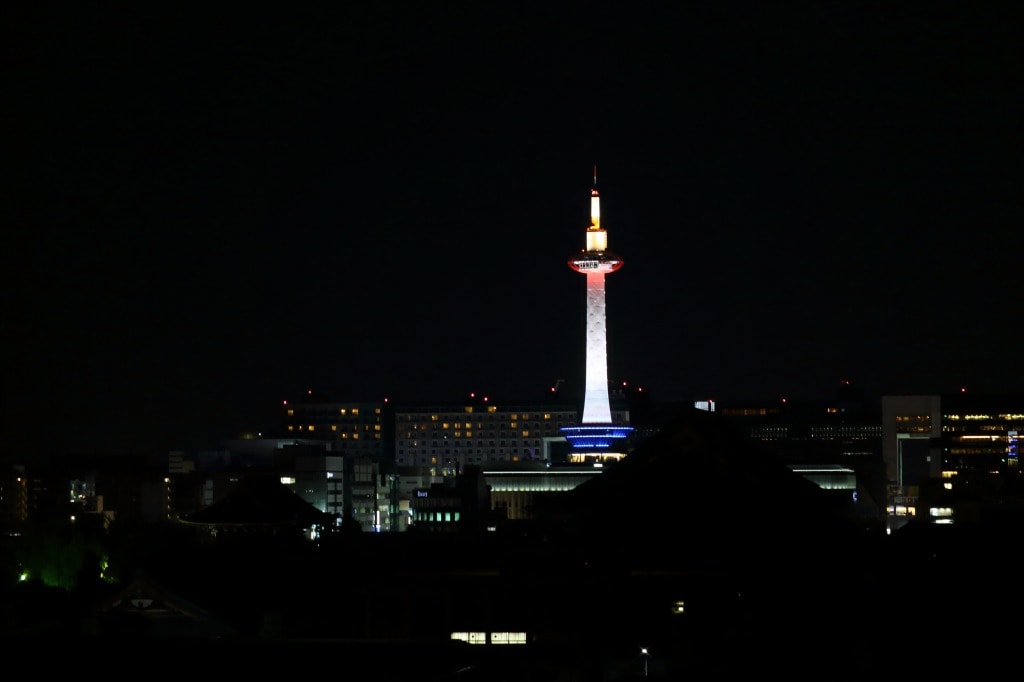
x=508 y=638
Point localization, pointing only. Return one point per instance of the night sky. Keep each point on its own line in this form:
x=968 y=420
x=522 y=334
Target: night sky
x=209 y=209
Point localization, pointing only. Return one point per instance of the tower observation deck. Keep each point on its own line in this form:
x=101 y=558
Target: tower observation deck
x=596 y=437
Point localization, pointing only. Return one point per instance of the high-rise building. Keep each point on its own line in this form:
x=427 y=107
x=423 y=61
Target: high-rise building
x=953 y=459
x=596 y=436
x=444 y=438
x=352 y=428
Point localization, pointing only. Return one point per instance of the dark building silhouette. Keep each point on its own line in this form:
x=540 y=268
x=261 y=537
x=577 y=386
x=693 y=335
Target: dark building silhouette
x=259 y=504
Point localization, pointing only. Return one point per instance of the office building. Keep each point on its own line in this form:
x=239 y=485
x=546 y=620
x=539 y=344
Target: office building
x=952 y=458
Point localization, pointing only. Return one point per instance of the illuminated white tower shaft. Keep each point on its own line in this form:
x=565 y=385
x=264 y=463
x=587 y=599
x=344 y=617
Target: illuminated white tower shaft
x=596 y=408
x=596 y=262
x=596 y=434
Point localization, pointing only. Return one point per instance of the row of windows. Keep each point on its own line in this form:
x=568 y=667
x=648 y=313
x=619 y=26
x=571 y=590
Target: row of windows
x=344 y=412
x=496 y=637
x=436 y=516
x=983 y=417
x=978 y=450
x=435 y=446
x=846 y=430
x=492 y=414
x=489 y=431
x=496 y=422
x=749 y=411
x=485 y=435
x=917 y=423
x=343 y=436
x=408 y=440
x=333 y=427
x=502 y=453
x=989 y=428
x=431 y=461
x=769 y=432
x=445 y=426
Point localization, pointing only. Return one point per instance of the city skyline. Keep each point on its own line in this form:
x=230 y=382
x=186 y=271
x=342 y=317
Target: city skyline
x=217 y=211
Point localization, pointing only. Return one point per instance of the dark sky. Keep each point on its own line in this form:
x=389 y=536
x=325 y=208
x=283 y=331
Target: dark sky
x=208 y=209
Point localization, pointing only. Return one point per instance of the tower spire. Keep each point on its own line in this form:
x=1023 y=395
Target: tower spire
x=595 y=215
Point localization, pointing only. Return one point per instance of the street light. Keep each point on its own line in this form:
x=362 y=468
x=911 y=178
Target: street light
x=644 y=655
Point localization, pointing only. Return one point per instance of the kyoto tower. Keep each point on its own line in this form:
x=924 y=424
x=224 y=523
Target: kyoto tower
x=596 y=436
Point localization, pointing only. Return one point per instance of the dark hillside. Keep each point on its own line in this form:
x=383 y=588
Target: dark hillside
x=698 y=496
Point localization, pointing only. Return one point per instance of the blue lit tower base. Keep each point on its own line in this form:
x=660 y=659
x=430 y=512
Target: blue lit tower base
x=596 y=442
x=595 y=438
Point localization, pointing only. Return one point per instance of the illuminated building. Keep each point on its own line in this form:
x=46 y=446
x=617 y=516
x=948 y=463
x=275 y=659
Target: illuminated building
x=596 y=437
x=446 y=438
x=953 y=458
x=352 y=428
